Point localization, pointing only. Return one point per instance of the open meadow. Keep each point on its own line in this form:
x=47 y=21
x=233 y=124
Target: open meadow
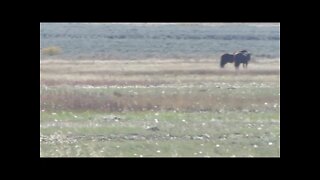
x=159 y=108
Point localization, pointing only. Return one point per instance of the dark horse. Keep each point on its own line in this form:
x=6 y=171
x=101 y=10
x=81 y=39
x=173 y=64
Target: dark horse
x=237 y=58
x=226 y=58
x=241 y=57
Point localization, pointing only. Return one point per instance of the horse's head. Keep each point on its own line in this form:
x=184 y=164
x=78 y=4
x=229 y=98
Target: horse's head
x=248 y=56
x=226 y=58
x=222 y=63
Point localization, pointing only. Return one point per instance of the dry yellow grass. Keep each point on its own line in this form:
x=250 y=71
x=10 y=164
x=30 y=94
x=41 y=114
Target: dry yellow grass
x=107 y=108
x=169 y=76
x=98 y=73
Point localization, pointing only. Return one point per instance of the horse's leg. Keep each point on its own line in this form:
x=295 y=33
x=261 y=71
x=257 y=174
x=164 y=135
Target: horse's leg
x=236 y=65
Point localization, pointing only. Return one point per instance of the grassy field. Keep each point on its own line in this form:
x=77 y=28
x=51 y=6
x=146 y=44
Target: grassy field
x=159 y=108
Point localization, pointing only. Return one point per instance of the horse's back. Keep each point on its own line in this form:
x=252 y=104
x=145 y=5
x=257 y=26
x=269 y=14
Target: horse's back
x=227 y=56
